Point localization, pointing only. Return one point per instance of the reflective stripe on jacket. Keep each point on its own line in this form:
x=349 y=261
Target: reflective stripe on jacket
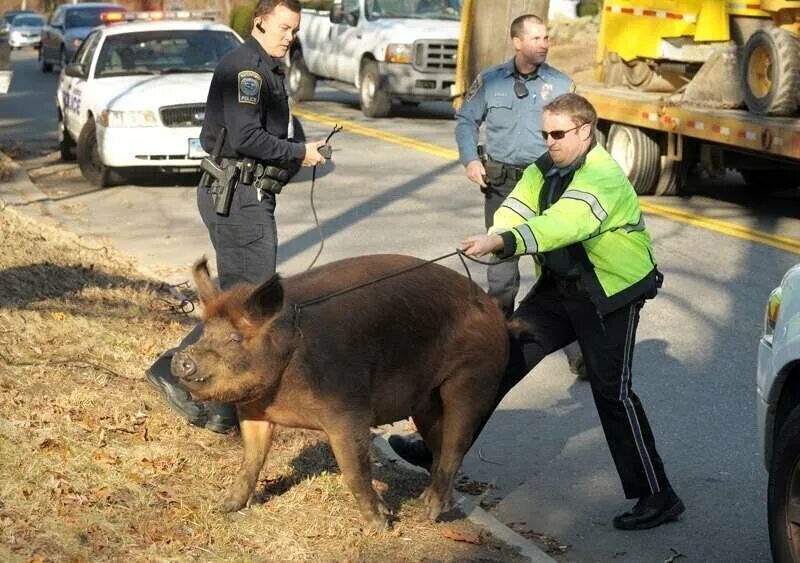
x=598 y=217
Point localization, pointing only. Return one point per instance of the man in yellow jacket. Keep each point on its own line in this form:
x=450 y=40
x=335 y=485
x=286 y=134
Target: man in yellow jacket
x=576 y=211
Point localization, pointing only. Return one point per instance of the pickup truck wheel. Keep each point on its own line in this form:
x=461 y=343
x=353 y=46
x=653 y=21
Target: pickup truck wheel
x=375 y=102
x=66 y=144
x=89 y=161
x=301 y=82
x=769 y=73
x=638 y=155
x=43 y=64
x=783 y=492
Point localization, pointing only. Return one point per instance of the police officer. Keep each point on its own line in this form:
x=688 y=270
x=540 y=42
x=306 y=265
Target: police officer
x=248 y=98
x=577 y=207
x=508 y=99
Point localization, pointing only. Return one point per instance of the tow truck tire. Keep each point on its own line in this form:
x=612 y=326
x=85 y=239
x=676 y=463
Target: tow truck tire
x=769 y=73
x=89 y=161
x=375 y=102
x=66 y=144
x=783 y=492
x=301 y=82
x=638 y=155
x=43 y=64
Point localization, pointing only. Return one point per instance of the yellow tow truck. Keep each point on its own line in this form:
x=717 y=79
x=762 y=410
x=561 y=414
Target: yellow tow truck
x=685 y=83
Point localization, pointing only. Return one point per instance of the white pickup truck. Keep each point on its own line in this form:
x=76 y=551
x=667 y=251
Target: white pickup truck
x=403 y=50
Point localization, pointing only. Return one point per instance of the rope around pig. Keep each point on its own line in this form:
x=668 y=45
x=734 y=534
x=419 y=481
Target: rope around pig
x=297 y=308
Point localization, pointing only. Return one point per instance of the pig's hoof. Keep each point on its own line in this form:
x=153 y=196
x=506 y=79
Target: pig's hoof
x=232 y=504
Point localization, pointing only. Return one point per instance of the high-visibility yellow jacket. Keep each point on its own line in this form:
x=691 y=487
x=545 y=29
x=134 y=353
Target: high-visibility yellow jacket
x=597 y=218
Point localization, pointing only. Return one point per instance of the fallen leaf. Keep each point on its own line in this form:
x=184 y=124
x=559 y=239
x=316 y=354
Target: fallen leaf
x=455 y=535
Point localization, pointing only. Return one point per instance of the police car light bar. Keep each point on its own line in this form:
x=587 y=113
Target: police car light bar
x=112 y=17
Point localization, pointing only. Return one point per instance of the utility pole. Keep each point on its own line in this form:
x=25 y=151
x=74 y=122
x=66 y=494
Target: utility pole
x=485 y=40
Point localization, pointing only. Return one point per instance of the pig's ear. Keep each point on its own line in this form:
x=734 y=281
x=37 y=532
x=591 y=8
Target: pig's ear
x=267 y=299
x=206 y=290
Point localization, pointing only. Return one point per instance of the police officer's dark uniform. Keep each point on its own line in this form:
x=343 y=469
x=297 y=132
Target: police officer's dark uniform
x=248 y=98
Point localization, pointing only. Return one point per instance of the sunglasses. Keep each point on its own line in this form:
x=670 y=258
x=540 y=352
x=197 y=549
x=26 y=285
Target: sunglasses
x=519 y=88
x=559 y=134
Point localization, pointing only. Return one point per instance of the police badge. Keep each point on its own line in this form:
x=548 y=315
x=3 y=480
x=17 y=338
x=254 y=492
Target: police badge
x=547 y=90
x=249 y=87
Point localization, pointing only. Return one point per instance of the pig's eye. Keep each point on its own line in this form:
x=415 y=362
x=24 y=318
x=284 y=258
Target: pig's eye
x=235 y=337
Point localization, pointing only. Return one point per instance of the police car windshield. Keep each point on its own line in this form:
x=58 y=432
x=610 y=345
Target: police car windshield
x=163 y=52
x=414 y=9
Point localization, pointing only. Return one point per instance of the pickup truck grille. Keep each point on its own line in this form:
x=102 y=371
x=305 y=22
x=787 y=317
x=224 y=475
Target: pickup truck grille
x=184 y=115
x=435 y=56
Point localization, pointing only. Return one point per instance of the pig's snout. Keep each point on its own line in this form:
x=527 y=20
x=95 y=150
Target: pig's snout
x=183 y=367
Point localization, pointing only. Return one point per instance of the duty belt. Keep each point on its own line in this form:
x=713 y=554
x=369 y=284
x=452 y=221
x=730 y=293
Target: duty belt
x=513 y=172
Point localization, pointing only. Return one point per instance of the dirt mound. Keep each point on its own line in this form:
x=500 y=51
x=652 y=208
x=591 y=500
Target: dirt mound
x=94 y=466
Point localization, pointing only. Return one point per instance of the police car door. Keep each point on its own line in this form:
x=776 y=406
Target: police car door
x=72 y=87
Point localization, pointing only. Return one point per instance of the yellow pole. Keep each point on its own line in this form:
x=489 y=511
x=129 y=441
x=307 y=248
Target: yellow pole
x=463 y=53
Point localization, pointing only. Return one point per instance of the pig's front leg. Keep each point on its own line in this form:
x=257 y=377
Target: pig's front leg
x=257 y=440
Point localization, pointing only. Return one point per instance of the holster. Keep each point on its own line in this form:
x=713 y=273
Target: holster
x=270 y=179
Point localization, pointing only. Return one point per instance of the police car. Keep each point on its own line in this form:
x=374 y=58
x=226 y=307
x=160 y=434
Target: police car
x=135 y=92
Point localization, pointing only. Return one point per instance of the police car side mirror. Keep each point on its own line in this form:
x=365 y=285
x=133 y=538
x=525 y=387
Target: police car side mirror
x=75 y=70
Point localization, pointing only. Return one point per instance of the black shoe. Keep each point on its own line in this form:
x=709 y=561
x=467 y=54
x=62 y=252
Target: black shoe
x=651 y=511
x=160 y=376
x=413 y=450
x=220 y=417
x=217 y=417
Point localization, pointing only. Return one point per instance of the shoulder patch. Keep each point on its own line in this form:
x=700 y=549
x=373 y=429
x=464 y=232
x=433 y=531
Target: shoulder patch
x=249 y=87
x=474 y=88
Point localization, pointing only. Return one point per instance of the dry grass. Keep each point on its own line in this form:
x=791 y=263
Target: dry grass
x=94 y=466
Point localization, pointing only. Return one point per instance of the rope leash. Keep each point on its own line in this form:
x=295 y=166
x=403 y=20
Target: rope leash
x=336 y=129
x=297 y=308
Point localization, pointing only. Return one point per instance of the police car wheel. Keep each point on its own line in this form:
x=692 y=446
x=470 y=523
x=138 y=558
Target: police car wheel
x=66 y=144
x=375 y=102
x=89 y=161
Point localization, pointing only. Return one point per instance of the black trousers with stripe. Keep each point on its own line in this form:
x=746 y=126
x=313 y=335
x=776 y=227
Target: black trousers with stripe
x=554 y=315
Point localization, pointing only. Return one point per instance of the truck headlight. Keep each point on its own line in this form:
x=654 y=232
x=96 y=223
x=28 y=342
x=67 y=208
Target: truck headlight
x=113 y=118
x=771 y=314
x=398 y=53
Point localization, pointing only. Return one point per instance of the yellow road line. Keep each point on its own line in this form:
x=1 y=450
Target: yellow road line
x=353 y=127
x=724 y=227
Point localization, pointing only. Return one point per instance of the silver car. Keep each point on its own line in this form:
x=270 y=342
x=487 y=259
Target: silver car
x=26 y=31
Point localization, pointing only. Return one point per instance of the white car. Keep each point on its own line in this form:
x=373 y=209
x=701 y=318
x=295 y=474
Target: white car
x=778 y=389
x=135 y=94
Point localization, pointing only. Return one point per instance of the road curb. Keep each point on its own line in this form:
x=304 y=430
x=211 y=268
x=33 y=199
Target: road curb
x=19 y=190
x=474 y=512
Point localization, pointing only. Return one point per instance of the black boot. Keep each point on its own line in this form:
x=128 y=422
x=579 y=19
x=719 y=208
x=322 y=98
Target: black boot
x=651 y=511
x=412 y=449
x=218 y=417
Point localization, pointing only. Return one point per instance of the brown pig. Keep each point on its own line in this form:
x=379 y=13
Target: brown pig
x=315 y=351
